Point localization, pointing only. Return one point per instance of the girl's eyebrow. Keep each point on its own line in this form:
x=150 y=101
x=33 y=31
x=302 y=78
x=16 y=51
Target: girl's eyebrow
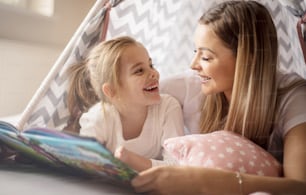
x=135 y=66
x=139 y=63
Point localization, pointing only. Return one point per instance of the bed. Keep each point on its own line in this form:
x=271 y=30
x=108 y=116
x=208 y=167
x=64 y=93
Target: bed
x=29 y=180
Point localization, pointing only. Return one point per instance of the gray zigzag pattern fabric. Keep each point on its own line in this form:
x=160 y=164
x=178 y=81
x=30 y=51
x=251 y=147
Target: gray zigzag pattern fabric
x=52 y=110
x=290 y=52
x=166 y=28
x=169 y=40
x=294 y=6
x=161 y=26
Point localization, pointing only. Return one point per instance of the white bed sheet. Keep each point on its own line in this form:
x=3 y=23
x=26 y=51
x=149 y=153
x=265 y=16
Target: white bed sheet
x=16 y=179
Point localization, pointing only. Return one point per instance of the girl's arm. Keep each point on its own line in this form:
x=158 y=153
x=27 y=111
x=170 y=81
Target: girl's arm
x=197 y=180
x=135 y=161
x=140 y=163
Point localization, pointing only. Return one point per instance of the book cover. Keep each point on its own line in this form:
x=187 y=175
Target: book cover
x=66 y=151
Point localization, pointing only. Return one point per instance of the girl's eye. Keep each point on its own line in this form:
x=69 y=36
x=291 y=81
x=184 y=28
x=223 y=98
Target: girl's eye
x=151 y=65
x=140 y=70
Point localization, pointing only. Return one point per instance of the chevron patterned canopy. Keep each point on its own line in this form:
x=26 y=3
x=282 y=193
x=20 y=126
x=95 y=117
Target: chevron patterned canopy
x=165 y=27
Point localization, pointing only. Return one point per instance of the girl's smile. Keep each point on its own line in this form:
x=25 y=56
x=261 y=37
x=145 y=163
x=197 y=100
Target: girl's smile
x=139 y=80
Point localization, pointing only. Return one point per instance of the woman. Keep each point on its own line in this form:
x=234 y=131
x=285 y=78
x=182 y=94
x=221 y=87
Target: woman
x=242 y=91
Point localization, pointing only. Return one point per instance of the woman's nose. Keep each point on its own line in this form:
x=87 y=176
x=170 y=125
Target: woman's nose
x=195 y=65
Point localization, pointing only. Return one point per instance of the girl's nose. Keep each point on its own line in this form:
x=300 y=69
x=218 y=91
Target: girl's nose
x=154 y=74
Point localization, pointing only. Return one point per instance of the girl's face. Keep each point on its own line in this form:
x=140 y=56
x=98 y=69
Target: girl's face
x=139 y=80
x=214 y=62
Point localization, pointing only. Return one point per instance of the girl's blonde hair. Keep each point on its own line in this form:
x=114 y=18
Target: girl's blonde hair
x=86 y=79
x=245 y=27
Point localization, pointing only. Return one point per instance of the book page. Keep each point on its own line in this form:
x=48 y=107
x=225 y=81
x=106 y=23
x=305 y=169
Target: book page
x=11 y=138
x=84 y=153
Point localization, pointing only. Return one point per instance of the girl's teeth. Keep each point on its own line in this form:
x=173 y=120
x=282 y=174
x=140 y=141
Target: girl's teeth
x=150 y=88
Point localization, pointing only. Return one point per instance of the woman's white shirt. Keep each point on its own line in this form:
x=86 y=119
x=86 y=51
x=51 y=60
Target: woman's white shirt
x=291 y=112
x=186 y=87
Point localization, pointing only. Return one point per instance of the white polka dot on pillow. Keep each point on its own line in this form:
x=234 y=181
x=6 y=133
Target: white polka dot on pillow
x=222 y=150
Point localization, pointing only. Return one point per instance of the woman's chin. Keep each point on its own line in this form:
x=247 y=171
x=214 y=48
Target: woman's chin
x=206 y=91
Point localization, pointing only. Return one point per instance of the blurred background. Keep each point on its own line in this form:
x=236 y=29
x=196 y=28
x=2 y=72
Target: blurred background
x=33 y=33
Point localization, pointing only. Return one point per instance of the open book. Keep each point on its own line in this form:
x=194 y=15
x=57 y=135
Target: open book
x=67 y=151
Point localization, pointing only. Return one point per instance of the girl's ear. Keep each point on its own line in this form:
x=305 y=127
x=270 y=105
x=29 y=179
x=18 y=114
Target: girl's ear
x=108 y=90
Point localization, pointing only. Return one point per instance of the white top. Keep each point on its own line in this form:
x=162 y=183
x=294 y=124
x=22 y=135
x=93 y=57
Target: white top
x=186 y=87
x=163 y=121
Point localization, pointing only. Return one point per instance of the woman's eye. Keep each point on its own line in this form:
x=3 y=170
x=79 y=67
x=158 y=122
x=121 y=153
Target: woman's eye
x=205 y=59
x=151 y=65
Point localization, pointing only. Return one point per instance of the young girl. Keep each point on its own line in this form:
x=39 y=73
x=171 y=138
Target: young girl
x=131 y=118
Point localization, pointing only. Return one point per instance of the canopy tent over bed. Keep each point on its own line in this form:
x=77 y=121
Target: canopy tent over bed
x=166 y=28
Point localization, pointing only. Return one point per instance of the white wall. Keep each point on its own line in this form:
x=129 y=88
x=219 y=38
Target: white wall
x=23 y=66
x=29 y=46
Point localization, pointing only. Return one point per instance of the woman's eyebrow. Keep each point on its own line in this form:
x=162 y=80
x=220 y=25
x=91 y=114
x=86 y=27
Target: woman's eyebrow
x=206 y=49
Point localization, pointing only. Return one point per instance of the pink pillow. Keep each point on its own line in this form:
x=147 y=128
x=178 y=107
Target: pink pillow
x=222 y=150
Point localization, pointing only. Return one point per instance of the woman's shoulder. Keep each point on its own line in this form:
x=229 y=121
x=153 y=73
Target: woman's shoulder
x=291 y=86
x=291 y=99
x=285 y=79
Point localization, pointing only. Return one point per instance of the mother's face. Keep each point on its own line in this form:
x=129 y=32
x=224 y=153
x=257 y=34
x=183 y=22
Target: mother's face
x=214 y=62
